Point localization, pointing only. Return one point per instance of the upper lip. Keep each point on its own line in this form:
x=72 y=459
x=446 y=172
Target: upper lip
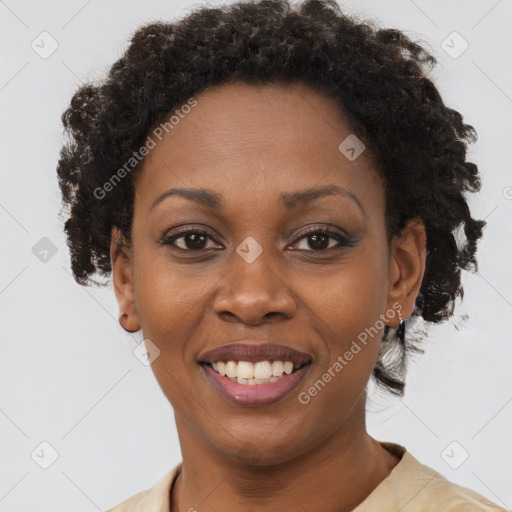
x=254 y=351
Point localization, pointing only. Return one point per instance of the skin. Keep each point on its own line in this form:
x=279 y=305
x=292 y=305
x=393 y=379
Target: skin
x=250 y=144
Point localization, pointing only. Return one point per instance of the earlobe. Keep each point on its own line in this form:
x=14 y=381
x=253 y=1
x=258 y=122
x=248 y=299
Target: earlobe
x=407 y=266
x=121 y=260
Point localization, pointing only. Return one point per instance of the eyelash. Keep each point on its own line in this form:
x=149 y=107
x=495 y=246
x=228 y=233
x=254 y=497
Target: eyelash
x=343 y=241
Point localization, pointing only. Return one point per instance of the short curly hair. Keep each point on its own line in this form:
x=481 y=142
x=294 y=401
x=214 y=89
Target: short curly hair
x=378 y=78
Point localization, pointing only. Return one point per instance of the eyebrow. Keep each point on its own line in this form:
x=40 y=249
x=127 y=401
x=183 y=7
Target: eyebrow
x=290 y=200
x=301 y=197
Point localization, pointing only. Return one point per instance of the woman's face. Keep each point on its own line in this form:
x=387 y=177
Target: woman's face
x=252 y=148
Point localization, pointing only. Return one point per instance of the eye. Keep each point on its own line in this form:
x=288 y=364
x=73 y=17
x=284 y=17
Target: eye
x=190 y=240
x=320 y=239
x=314 y=239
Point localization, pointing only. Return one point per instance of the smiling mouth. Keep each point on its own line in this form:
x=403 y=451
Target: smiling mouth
x=250 y=373
x=254 y=391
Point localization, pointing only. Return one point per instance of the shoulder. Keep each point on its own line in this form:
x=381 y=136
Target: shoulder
x=419 y=488
x=153 y=499
x=135 y=502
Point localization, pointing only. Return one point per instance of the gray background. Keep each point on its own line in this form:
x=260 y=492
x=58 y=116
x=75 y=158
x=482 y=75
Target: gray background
x=68 y=374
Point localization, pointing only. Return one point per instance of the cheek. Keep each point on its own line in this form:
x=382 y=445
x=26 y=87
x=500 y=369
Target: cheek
x=170 y=305
x=347 y=311
x=352 y=296
x=168 y=296
x=346 y=319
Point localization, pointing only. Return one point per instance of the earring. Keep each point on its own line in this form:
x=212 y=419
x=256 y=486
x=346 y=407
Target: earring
x=400 y=332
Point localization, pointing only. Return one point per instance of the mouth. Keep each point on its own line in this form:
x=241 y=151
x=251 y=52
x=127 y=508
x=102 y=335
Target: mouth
x=248 y=373
x=252 y=374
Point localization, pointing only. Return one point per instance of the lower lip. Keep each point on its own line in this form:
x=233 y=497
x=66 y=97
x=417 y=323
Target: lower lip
x=257 y=394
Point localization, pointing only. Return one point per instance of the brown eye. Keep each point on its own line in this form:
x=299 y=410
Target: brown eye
x=322 y=240
x=318 y=242
x=192 y=240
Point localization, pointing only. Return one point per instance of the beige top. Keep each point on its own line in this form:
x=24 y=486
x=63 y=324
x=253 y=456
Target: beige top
x=410 y=487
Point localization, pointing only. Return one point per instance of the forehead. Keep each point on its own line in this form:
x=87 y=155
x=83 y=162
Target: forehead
x=251 y=143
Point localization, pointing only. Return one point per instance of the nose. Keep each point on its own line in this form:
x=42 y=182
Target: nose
x=253 y=293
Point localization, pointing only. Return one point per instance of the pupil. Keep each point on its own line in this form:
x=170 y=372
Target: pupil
x=197 y=241
x=324 y=243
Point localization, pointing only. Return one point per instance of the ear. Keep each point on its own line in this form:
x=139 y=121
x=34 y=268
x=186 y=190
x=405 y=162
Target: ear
x=121 y=258
x=407 y=267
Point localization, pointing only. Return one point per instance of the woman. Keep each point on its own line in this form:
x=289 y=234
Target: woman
x=275 y=191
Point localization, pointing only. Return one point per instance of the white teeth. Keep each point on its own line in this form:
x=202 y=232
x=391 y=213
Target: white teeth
x=253 y=382
x=245 y=370
x=262 y=370
x=231 y=369
x=249 y=373
x=221 y=367
x=288 y=367
x=277 y=368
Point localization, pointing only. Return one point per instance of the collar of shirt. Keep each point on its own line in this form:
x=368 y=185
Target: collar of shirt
x=410 y=487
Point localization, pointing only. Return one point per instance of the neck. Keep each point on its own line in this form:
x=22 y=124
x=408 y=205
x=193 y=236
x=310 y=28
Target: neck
x=334 y=476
